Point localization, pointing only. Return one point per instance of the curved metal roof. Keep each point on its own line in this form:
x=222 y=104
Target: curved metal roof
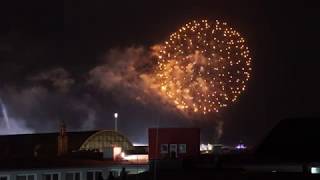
x=105 y=139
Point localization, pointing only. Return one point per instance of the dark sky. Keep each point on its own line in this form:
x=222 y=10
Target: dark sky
x=67 y=39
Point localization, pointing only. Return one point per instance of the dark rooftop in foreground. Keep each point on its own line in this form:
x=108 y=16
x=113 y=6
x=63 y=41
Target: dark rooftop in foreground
x=295 y=140
x=24 y=145
x=56 y=163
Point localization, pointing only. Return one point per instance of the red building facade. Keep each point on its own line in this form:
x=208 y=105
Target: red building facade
x=174 y=143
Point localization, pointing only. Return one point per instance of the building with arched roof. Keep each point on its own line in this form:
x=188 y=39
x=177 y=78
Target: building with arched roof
x=48 y=144
x=106 y=139
x=85 y=155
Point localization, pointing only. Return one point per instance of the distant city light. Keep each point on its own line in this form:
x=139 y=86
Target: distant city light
x=135 y=157
x=315 y=170
x=115 y=115
x=206 y=147
x=139 y=144
x=241 y=146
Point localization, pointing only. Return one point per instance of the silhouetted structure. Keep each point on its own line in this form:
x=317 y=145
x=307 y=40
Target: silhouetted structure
x=62 y=140
x=50 y=145
x=292 y=140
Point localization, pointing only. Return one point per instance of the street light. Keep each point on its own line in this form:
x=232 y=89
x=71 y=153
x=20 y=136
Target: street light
x=116 y=122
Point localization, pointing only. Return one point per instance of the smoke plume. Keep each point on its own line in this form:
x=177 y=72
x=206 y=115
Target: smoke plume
x=128 y=73
x=123 y=81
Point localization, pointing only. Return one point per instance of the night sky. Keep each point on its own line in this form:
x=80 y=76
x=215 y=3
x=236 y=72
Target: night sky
x=49 y=51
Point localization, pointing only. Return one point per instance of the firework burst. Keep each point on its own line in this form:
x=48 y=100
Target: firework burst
x=202 y=67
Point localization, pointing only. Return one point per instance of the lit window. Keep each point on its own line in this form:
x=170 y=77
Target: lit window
x=315 y=170
x=73 y=176
x=164 y=148
x=182 y=148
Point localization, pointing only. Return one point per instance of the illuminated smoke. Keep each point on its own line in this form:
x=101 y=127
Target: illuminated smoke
x=12 y=126
x=200 y=69
x=193 y=79
x=219 y=131
x=126 y=73
x=59 y=78
x=5 y=114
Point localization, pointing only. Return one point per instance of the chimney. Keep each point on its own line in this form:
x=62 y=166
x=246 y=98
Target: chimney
x=62 y=140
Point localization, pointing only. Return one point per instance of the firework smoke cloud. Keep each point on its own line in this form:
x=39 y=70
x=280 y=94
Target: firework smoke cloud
x=200 y=69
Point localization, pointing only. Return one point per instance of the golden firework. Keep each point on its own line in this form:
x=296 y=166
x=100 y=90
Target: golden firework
x=202 y=67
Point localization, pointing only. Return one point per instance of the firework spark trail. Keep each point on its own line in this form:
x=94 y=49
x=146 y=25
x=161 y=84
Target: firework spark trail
x=202 y=67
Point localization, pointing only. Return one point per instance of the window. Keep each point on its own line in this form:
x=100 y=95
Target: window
x=182 y=148
x=173 y=148
x=164 y=148
x=26 y=177
x=90 y=175
x=115 y=173
x=3 y=177
x=173 y=151
x=51 y=176
x=73 y=176
x=94 y=175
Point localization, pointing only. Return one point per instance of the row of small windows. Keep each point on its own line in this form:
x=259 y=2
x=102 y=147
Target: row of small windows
x=90 y=175
x=50 y=176
x=25 y=177
x=73 y=176
x=94 y=175
x=177 y=148
x=53 y=176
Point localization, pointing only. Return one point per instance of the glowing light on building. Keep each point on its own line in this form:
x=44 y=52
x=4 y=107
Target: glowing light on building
x=135 y=157
x=206 y=147
x=315 y=170
x=139 y=144
x=117 y=153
